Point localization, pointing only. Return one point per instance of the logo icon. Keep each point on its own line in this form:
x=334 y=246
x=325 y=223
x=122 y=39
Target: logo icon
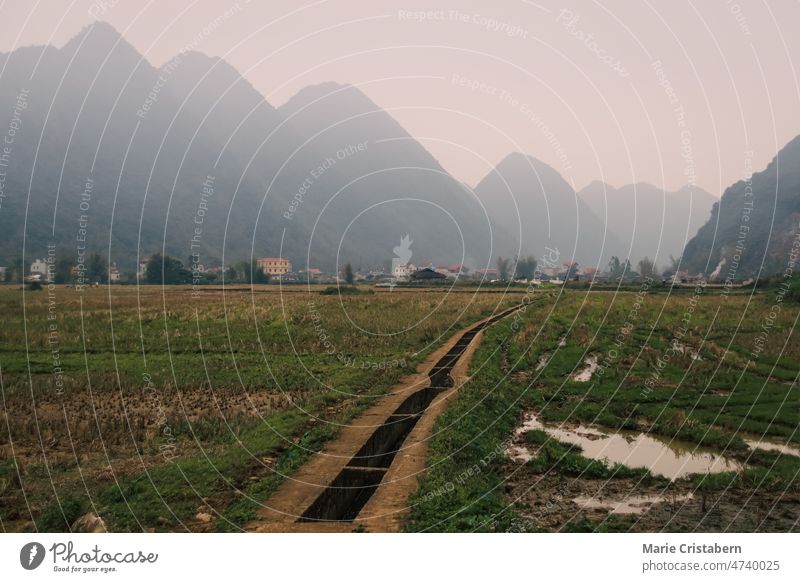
x=401 y=264
x=403 y=250
x=31 y=555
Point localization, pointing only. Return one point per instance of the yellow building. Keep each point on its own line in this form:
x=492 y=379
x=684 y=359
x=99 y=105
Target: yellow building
x=274 y=266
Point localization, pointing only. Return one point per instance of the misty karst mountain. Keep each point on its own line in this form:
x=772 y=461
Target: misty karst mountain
x=107 y=142
x=753 y=228
x=113 y=155
x=189 y=157
x=534 y=203
x=650 y=222
x=375 y=183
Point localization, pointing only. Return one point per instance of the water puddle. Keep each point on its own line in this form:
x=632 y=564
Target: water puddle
x=590 y=365
x=661 y=456
x=630 y=505
x=773 y=446
x=519 y=452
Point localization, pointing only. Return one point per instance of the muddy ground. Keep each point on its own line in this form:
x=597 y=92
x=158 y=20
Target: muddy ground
x=546 y=502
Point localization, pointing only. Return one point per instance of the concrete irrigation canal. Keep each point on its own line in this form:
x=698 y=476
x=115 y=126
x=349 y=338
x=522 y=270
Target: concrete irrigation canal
x=364 y=477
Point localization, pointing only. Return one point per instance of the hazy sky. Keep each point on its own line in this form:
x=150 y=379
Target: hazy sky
x=661 y=92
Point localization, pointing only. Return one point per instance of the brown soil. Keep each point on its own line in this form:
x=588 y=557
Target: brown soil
x=386 y=509
x=547 y=502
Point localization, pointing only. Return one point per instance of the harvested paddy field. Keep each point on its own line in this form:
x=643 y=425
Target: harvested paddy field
x=154 y=409
x=159 y=410
x=605 y=411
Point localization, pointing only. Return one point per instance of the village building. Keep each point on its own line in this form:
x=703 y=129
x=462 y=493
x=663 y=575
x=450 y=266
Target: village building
x=402 y=270
x=487 y=274
x=456 y=269
x=141 y=269
x=427 y=275
x=114 y=275
x=274 y=266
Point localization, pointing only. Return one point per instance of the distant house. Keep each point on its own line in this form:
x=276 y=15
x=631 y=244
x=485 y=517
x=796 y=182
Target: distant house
x=311 y=274
x=427 y=275
x=402 y=270
x=274 y=266
x=443 y=270
x=487 y=274
x=114 y=274
x=141 y=269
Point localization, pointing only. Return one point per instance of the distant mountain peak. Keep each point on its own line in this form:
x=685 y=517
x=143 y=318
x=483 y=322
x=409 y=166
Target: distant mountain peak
x=98 y=40
x=97 y=32
x=516 y=158
x=324 y=106
x=331 y=92
x=518 y=164
x=197 y=56
x=323 y=88
x=599 y=184
x=523 y=159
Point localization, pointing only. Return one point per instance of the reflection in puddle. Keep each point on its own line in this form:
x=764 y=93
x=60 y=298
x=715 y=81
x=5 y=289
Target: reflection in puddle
x=773 y=446
x=661 y=456
x=630 y=505
x=585 y=374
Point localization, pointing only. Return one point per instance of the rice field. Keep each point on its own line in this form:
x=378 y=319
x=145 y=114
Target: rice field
x=637 y=411
x=164 y=409
x=157 y=407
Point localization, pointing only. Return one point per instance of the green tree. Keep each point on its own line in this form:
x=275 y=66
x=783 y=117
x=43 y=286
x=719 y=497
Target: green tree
x=503 y=267
x=166 y=270
x=96 y=269
x=572 y=271
x=647 y=268
x=62 y=271
x=231 y=275
x=348 y=274
x=627 y=269
x=619 y=269
x=16 y=272
x=242 y=271
x=674 y=266
x=257 y=275
x=615 y=269
x=526 y=268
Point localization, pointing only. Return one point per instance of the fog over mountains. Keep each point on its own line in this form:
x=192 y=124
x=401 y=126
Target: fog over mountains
x=128 y=159
x=534 y=203
x=649 y=221
x=190 y=157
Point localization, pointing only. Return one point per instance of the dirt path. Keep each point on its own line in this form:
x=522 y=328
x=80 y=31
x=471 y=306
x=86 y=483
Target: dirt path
x=363 y=479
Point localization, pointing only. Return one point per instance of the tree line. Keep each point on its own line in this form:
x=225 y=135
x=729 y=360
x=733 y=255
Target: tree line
x=525 y=268
x=160 y=270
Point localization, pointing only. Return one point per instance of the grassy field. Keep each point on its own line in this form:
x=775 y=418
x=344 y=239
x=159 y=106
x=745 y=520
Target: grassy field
x=162 y=410
x=702 y=371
